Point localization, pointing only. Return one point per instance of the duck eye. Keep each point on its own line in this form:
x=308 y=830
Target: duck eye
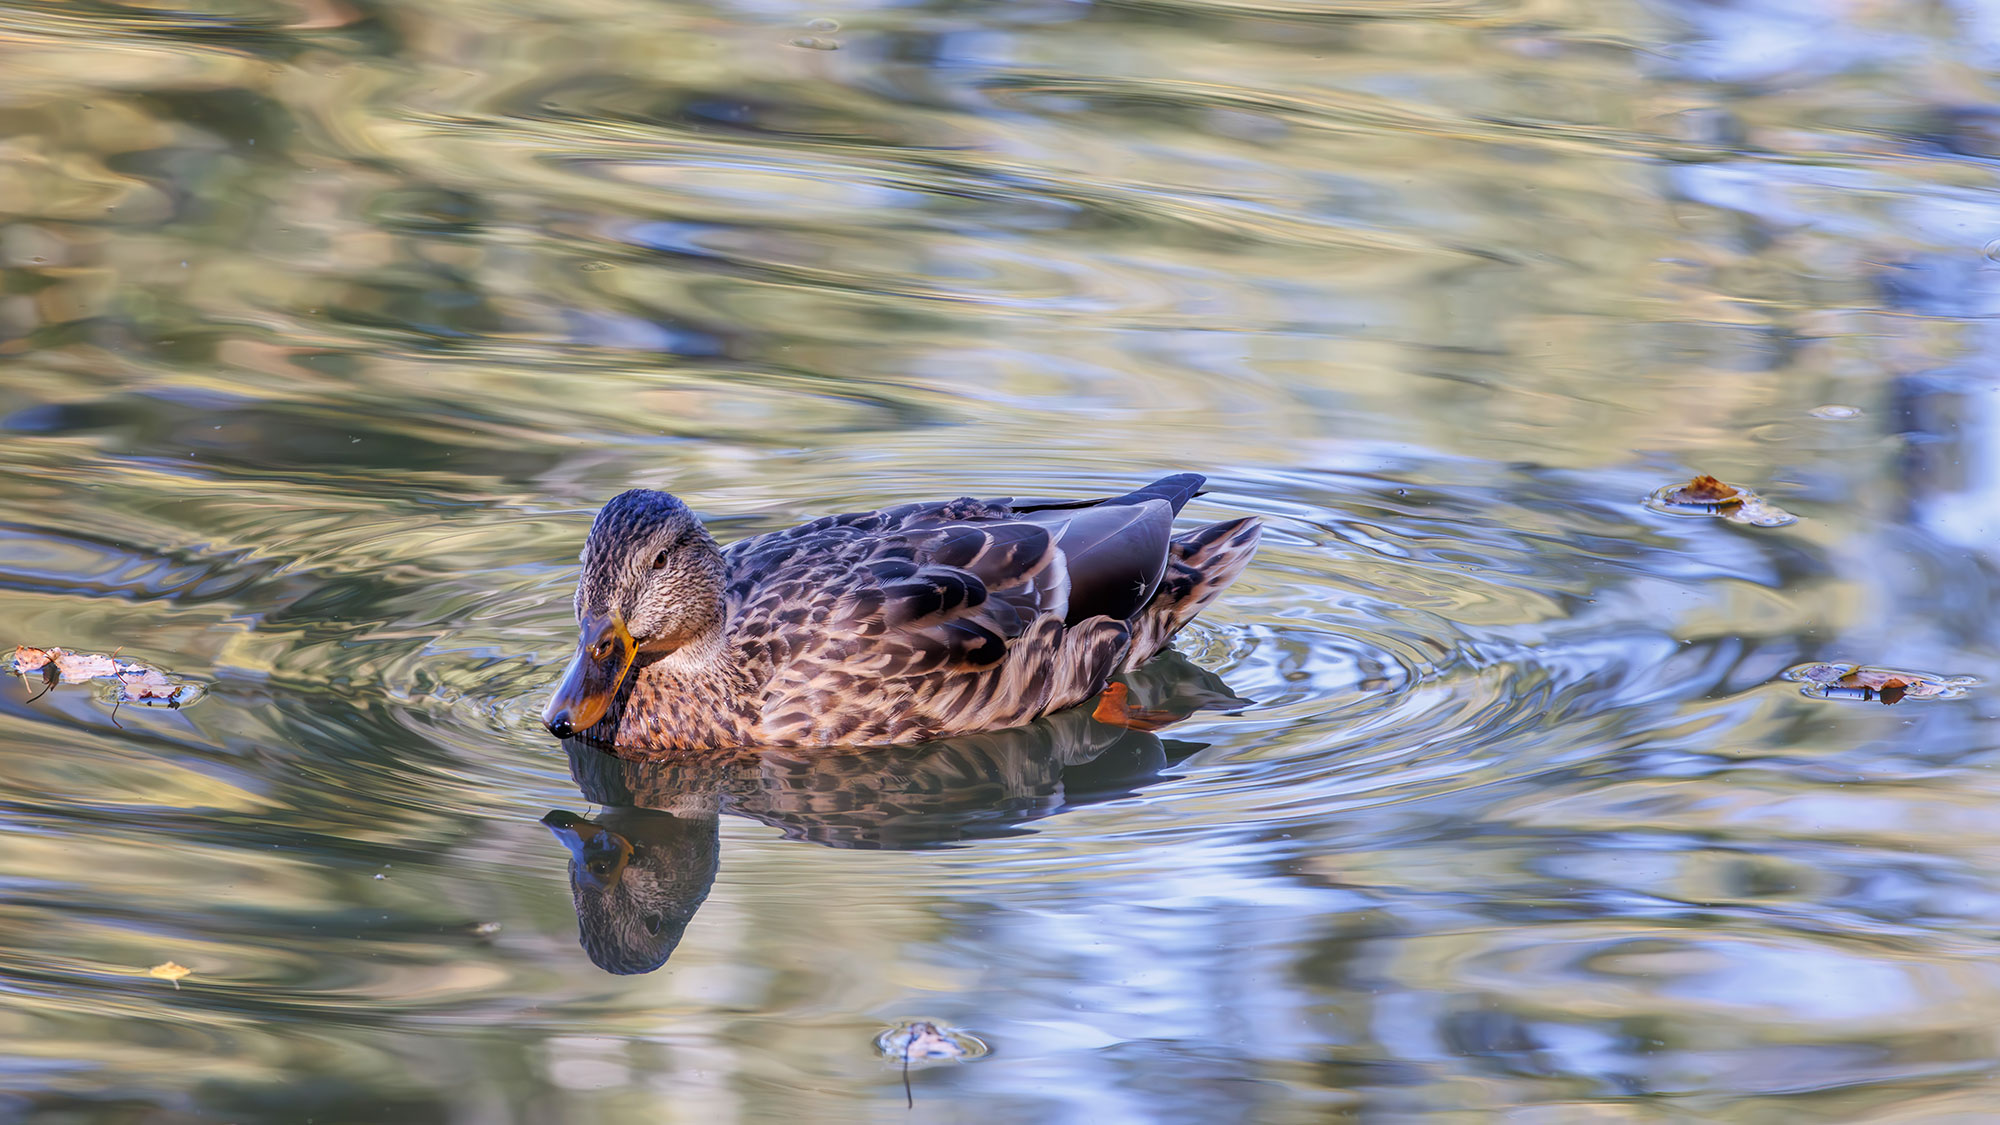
x=659 y=560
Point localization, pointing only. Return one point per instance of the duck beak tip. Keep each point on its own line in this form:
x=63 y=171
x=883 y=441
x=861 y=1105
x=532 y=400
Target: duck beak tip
x=590 y=684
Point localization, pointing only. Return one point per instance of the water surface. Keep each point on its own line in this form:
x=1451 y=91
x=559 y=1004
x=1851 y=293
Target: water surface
x=325 y=325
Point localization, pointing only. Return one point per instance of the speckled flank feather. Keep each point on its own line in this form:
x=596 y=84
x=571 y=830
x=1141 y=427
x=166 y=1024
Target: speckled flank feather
x=927 y=620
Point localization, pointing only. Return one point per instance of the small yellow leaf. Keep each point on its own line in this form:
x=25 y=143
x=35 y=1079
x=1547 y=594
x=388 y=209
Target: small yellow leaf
x=169 y=971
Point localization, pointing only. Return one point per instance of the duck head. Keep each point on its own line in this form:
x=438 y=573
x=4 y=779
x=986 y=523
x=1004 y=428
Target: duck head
x=651 y=584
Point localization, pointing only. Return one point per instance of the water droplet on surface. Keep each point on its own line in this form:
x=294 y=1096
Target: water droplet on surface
x=816 y=43
x=823 y=25
x=1835 y=410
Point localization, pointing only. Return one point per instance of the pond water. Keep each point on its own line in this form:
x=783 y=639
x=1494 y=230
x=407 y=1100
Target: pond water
x=326 y=324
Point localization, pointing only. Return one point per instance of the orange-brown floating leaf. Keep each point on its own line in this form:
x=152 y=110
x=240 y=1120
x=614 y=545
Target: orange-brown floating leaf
x=1707 y=496
x=1860 y=682
x=167 y=970
x=1115 y=708
x=28 y=659
x=1706 y=489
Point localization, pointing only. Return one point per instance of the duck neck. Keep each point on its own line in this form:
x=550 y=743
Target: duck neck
x=702 y=654
x=690 y=698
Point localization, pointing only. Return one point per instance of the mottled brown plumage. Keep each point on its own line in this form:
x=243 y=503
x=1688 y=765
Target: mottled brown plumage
x=899 y=625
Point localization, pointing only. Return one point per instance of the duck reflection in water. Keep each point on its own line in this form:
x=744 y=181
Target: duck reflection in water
x=642 y=865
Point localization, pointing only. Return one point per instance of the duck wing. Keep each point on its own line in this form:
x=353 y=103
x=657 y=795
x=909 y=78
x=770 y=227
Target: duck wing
x=926 y=619
x=904 y=591
x=1115 y=548
x=1115 y=555
x=904 y=632
x=990 y=564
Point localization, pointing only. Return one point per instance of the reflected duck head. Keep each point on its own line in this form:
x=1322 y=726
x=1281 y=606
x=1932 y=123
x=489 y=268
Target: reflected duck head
x=651 y=583
x=597 y=855
x=637 y=877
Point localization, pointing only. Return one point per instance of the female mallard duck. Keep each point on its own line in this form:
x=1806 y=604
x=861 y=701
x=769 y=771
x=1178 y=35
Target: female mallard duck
x=900 y=625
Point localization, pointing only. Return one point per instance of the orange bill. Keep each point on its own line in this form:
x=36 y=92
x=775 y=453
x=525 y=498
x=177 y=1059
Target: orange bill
x=604 y=654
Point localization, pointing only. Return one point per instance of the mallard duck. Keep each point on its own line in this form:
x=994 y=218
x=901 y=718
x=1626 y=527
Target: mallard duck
x=904 y=624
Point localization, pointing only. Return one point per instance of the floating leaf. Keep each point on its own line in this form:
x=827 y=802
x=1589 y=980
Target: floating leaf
x=168 y=970
x=76 y=667
x=922 y=1042
x=1860 y=682
x=1705 y=489
x=142 y=682
x=1705 y=495
x=137 y=683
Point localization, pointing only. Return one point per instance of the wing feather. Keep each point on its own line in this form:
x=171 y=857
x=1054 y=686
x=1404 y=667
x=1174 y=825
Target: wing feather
x=929 y=618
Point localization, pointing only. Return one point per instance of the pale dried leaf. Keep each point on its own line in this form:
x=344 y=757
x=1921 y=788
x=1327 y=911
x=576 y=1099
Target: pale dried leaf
x=77 y=667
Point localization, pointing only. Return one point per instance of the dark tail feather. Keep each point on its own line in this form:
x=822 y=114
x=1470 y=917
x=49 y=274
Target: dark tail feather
x=1176 y=490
